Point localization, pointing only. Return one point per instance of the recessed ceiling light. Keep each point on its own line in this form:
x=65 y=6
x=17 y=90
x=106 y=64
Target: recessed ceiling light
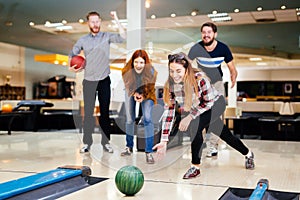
x=283 y=7
x=255 y=59
x=50 y=25
x=219 y=17
x=147 y=4
x=31 y=24
x=173 y=15
x=259 y=8
x=153 y=16
x=214 y=12
x=194 y=12
x=64 y=21
x=236 y=10
x=81 y=21
x=261 y=64
x=9 y=23
x=62 y=28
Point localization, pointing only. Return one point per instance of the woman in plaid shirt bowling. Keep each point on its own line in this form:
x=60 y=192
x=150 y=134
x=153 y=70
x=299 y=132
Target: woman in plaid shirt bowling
x=201 y=106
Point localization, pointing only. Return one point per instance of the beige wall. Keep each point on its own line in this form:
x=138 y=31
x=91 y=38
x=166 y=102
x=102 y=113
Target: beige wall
x=12 y=64
x=288 y=74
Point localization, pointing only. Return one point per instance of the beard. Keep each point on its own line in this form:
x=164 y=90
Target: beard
x=95 y=29
x=209 y=42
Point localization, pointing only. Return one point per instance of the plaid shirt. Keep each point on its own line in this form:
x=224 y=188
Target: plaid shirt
x=206 y=98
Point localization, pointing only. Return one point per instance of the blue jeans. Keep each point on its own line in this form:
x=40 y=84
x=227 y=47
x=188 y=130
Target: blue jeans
x=147 y=106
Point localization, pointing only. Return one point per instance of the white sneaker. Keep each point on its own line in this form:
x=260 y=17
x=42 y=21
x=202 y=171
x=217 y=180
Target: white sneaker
x=85 y=149
x=108 y=148
x=126 y=152
x=211 y=150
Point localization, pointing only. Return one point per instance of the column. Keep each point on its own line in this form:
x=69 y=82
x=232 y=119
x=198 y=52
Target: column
x=136 y=17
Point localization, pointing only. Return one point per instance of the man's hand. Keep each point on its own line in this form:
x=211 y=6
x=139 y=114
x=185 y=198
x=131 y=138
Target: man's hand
x=122 y=31
x=74 y=69
x=114 y=15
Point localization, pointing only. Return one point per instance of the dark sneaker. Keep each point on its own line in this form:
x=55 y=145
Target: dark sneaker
x=126 y=152
x=85 y=149
x=149 y=158
x=249 y=162
x=192 y=173
x=108 y=148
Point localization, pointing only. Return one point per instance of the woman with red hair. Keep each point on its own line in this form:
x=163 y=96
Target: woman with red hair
x=139 y=78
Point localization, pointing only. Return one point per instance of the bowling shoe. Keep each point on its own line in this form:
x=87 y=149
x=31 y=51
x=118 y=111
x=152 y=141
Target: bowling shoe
x=149 y=158
x=249 y=161
x=192 y=173
x=85 y=149
x=108 y=148
x=126 y=152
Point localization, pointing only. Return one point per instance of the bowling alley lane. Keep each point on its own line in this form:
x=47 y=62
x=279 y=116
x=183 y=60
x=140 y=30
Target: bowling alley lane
x=25 y=153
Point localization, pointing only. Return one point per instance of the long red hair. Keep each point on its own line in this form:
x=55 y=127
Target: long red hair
x=148 y=75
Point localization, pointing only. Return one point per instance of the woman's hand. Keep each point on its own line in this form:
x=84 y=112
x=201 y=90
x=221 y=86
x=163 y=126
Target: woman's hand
x=161 y=150
x=185 y=122
x=138 y=97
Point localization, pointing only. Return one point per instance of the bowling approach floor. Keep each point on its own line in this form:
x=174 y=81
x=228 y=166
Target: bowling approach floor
x=25 y=153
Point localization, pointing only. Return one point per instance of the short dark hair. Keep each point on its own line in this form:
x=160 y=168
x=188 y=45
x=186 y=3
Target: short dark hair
x=92 y=13
x=209 y=24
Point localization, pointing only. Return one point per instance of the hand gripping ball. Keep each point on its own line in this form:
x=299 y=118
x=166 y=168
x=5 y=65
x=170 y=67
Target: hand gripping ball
x=79 y=61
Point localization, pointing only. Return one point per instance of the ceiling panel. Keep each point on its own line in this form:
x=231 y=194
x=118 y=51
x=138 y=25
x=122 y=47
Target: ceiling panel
x=276 y=38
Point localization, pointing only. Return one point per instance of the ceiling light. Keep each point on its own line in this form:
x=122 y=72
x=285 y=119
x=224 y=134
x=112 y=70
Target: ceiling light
x=52 y=25
x=283 y=7
x=236 y=10
x=153 y=16
x=255 y=59
x=47 y=23
x=64 y=21
x=261 y=64
x=194 y=12
x=147 y=4
x=214 y=12
x=259 y=8
x=8 y=23
x=81 y=21
x=61 y=28
x=173 y=15
x=31 y=23
x=219 y=17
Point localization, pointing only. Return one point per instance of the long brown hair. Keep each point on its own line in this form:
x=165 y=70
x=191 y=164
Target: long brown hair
x=148 y=75
x=189 y=80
